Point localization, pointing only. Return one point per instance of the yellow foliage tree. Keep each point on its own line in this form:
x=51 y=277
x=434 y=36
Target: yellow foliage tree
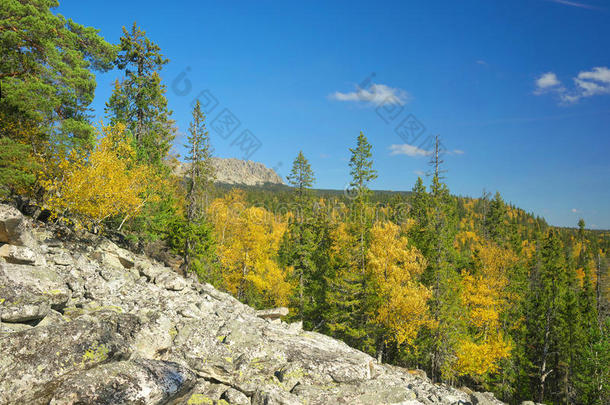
x=395 y=269
x=248 y=241
x=101 y=184
x=484 y=295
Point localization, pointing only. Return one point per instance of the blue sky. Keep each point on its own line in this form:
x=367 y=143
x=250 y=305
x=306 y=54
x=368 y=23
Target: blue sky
x=519 y=91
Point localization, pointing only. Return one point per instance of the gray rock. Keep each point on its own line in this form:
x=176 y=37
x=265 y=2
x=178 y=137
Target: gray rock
x=29 y=292
x=20 y=255
x=236 y=171
x=35 y=360
x=125 y=382
x=483 y=398
x=273 y=313
x=234 y=397
x=14 y=228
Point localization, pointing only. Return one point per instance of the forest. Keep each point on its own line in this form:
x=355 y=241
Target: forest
x=474 y=291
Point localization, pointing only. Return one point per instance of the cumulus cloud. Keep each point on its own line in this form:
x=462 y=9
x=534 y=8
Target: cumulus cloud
x=377 y=94
x=408 y=150
x=547 y=81
x=586 y=84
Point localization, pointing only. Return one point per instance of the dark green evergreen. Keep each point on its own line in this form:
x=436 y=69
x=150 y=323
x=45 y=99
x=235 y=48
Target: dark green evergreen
x=139 y=101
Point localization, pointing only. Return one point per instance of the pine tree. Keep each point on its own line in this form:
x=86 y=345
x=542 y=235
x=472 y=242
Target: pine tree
x=17 y=168
x=46 y=76
x=139 y=99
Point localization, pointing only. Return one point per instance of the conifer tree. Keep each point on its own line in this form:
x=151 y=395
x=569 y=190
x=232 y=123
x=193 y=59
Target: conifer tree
x=546 y=303
x=496 y=220
x=139 y=99
x=46 y=76
x=348 y=296
x=442 y=278
x=362 y=172
x=301 y=177
x=198 y=183
x=302 y=239
x=17 y=168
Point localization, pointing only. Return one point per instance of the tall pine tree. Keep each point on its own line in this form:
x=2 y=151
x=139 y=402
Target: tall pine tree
x=139 y=99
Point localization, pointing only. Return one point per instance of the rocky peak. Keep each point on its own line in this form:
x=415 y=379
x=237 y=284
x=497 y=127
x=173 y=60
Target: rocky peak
x=83 y=321
x=236 y=171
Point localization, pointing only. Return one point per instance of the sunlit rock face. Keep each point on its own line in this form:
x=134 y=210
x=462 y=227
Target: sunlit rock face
x=236 y=171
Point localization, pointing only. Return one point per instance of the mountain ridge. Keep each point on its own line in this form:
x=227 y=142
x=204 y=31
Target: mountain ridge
x=236 y=171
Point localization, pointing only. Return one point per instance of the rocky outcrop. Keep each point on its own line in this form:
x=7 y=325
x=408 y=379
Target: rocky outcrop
x=86 y=322
x=236 y=171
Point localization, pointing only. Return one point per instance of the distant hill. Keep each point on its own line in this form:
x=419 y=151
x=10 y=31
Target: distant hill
x=237 y=171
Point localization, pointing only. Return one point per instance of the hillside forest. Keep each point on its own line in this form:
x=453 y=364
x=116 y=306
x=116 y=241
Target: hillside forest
x=474 y=291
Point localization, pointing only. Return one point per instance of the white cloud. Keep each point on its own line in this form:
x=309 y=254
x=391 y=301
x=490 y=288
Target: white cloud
x=409 y=150
x=419 y=173
x=601 y=74
x=457 y=152
x=575 y=211
x=378 y=94
x=587 y=84
x=547 y=81
x=575 y=4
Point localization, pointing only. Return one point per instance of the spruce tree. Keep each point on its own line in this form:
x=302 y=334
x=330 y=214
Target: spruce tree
x=437 y=224
x=496 y=220
x=198 y=182
x=139 y=99
x=301 y=177
x=301 y=241
x=362 y=172
x=348 y=296
x=546 y=303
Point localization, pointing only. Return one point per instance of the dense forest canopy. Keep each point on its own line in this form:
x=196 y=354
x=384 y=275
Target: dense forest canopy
x=474 y=291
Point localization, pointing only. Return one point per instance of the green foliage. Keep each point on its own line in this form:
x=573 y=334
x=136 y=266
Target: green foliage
x=301 y=176
x=361 y=166
x=139 y=99
x=17 y=168
x=202 y=248
x=45 y=71
x=496 y=220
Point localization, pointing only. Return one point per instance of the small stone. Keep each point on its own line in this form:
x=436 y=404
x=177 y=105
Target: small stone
x=19 y=255
x=273 y=313
x=234 y=397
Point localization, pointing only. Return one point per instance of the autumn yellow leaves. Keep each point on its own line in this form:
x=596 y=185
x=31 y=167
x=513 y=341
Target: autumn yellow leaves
x=248 y=239
x=98 y=184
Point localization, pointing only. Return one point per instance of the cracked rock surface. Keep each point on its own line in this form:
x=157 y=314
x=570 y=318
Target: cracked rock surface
x=86 y=322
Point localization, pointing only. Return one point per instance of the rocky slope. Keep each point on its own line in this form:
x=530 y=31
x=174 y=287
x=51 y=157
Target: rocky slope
x=236 y=171
x=84 y=321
